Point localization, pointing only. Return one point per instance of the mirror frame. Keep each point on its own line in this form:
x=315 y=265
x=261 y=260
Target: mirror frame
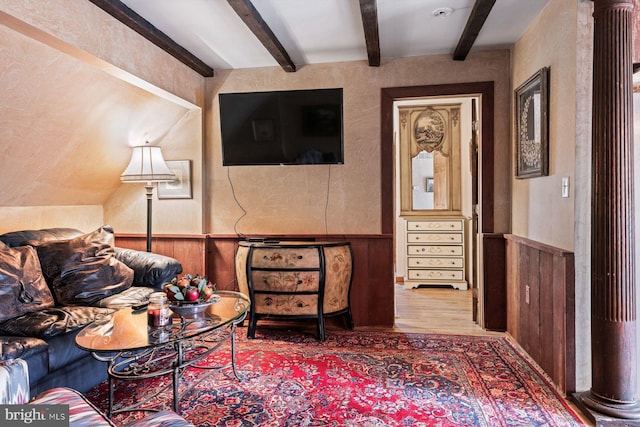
x=407 y=115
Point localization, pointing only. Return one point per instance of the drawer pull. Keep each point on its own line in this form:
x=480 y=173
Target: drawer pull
x=299 y=282
x=431 y=274
x=299 y=256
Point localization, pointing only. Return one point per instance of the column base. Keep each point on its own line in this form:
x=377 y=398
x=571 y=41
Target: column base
x=606 y=413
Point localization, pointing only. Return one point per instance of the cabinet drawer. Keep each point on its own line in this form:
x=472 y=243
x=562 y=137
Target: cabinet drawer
x=285 y=281
x=435 y=274
x=287 y=305
x=285 y=258
x=452 y=225
x=454 y=238
x=426 y=250
x=435 y=262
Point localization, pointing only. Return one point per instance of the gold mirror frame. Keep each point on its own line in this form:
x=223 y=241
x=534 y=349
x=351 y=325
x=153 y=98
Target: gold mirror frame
x=432 y=129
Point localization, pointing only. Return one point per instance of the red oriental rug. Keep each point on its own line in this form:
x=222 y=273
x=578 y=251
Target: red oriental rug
x=363 y=379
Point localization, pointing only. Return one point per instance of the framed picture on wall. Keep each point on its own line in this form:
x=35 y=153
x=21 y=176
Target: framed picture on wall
x=181 y=187
x=532 y=126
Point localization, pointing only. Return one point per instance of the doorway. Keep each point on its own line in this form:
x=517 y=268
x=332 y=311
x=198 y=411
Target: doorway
x=484 y=92
x=435 y=235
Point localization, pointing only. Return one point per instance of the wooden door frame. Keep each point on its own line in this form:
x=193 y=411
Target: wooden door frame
x=388 y=96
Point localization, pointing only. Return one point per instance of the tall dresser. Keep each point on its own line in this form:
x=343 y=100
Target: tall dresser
x=435 y=252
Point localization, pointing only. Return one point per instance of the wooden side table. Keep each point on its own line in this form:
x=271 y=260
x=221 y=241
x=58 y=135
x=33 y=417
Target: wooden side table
x=296 y=280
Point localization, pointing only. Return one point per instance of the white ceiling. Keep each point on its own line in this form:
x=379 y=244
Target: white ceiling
x=320 y=31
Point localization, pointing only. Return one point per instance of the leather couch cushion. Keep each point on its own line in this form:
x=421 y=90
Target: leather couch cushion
x=152 y=270
x=63 y=350
x=22 y=286
x=21 y=347
x=83 y=270
x=19 y=238
x=52 y=321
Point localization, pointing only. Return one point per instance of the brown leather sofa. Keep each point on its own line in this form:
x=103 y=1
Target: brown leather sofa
x=55 y=281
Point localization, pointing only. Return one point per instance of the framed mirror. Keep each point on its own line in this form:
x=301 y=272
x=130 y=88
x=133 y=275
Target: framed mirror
x=430 y=159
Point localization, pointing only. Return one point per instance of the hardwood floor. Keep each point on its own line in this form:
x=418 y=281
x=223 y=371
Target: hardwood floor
x=435 y=311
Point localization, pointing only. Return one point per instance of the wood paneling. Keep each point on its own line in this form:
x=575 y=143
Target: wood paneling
x=373 y=282
x=221 y=262
x=541 y=306
x=190 y=250
x=494 y=296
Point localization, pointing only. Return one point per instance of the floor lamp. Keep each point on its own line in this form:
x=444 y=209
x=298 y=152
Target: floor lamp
x=147 y=165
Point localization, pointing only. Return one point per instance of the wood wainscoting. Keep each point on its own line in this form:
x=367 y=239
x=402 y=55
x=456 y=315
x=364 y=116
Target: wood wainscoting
x=541 y=306
x=494 y=293
x=189 y=249
x=372 y=290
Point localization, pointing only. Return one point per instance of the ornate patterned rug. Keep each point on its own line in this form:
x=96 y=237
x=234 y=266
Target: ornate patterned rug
x=360 y=378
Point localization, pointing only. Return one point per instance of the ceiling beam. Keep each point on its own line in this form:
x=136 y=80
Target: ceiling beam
x=252 y=19
x=137 y=23
x=476 y=20
x=369 y=12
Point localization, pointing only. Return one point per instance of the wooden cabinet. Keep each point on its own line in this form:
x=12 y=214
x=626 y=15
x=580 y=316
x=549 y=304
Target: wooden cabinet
x=296 y=280
x=435 y=253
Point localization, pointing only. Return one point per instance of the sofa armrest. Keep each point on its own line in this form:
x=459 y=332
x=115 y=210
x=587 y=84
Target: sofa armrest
x=149 y=269
x=82 y=413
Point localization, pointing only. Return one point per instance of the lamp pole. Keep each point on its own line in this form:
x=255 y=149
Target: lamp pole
x=149 y=188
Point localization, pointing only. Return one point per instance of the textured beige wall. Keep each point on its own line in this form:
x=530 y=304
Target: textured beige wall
x=539 y=212
x=86 y=27
x=562 y=37
x=292 y=199
x=126 y=209
x=84 y=218
x=582 y=192
x=79 y=89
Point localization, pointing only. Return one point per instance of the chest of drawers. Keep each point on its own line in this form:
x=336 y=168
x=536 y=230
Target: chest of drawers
x=435 y=253
x=296 y=280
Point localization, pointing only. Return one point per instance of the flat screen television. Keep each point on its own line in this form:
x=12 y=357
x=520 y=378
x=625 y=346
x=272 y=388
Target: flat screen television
x=282 y=127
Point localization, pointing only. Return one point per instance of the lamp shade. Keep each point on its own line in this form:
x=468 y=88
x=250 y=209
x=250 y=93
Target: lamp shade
x=147 y=164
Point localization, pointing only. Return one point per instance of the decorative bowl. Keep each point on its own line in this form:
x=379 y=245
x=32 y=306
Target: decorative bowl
x=192 y=309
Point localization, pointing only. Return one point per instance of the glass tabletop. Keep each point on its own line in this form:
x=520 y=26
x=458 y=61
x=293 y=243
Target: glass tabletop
x=127 y=329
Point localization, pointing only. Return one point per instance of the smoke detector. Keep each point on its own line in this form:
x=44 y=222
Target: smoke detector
x=441 y=12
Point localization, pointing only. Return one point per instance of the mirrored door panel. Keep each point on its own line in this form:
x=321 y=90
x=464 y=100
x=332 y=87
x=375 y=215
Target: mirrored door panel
x=430 y=159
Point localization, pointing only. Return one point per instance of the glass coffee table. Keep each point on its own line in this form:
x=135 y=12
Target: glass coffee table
x=135 y=351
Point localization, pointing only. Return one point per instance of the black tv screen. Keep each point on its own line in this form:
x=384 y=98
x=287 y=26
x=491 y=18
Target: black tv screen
x=282 y=127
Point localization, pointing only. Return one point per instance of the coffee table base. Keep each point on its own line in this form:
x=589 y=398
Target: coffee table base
x=170 y=359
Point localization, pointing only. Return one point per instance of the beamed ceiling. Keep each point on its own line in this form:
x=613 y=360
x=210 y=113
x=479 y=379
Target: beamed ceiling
x=227 y=34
